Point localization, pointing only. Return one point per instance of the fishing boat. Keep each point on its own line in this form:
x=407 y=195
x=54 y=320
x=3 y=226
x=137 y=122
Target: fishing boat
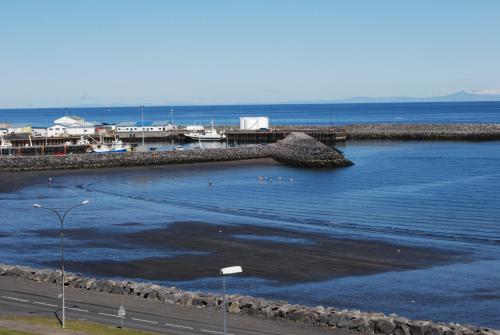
x=115 y=146
x=206 y=135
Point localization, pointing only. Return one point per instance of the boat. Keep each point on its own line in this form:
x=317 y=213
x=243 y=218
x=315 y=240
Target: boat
x=179 y=148
x=4 y=143
x=116 y=146
x=206 y=135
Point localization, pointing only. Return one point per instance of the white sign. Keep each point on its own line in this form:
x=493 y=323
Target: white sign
x=121 y=312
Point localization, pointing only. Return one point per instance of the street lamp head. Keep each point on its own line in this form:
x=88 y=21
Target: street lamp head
x=37 y=206
x=231 y=270
x=85 y=202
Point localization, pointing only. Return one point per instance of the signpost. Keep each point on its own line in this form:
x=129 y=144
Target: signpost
x=121 y=314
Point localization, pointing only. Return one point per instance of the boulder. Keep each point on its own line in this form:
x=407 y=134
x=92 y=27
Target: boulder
x=297 y=314
x=234 y=307
x=385 y=326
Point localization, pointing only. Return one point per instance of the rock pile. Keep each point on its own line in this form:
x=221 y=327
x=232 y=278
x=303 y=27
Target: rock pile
x=320 y=316
x=301 y=150
x=424 y=132
x=310 y=154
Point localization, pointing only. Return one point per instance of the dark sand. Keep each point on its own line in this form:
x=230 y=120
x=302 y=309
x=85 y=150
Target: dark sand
x=13 y=181
x=320 y=258
x=312 y=258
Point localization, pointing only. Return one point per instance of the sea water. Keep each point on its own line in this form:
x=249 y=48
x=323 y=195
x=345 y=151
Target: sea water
x=306 y=114
x=427 y=194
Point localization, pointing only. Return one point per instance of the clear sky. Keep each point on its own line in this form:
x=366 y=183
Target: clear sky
x=61 y=53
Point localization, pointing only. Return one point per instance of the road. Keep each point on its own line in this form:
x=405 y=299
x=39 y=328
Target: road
x=24 y=297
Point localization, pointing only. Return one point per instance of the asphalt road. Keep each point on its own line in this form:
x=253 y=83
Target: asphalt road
x=24 y=297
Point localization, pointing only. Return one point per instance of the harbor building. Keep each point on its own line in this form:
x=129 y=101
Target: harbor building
x=14 y=130
x=132 y=127
x=57 y=130
x=71 y=125
x=38 y=131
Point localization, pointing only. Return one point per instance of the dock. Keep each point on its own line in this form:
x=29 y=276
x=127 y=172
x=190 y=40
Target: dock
x=41 y=150
x=326 y=136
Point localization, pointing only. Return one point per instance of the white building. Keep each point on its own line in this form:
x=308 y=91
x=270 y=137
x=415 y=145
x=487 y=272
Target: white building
x=254 y=123
x=4 y=131
x=131 y=127
x=76 y=130
x=71 y=125
x=195 y=128
x=19 y=130
x=57 y=130
x=38 y=132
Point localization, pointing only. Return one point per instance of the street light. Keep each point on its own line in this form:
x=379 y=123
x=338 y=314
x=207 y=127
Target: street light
x=61 y=219
x=226 y=272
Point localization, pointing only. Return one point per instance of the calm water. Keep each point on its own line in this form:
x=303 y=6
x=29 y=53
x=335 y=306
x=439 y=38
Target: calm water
x=309 y=114
x=442 y=194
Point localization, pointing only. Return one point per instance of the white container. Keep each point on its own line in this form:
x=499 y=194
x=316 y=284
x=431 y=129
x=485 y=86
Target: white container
x=254 y=123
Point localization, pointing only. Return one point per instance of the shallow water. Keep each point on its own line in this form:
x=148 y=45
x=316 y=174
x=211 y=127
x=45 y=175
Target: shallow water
x=442 y=194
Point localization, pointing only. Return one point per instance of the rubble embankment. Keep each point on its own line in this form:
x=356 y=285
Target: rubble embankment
x=473 y=132
x=301 y=150
x=290 y=151
x=331 y=317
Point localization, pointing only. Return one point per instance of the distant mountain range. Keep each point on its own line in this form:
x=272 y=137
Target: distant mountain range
x=462 y=96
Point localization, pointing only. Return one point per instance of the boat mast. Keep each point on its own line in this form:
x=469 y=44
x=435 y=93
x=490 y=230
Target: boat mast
x=142 y=124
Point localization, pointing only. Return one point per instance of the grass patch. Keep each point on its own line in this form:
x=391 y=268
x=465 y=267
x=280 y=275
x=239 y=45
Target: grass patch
x=87 y=327
x=4 y=331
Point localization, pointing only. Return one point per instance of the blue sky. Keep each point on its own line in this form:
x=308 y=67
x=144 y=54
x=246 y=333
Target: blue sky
x=62 y=53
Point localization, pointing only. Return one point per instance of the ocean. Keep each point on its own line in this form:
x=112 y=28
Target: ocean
x=306 y=114
x=427 y=194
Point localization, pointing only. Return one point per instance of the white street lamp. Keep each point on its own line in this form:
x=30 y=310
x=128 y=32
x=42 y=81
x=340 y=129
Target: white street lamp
x=61 y=220
x=226 y=272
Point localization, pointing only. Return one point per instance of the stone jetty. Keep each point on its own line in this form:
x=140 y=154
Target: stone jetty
x=331 y=317
x=475 y=132
x=301 y=150
x=297 y=149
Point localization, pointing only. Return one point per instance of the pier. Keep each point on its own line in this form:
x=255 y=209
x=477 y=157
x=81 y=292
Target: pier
x=41 y=150
x=328 y=136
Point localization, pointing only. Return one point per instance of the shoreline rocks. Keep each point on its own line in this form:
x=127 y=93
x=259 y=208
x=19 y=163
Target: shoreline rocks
x=472 y=132
x=301 y=150
x=289 y=151
x=330 y=317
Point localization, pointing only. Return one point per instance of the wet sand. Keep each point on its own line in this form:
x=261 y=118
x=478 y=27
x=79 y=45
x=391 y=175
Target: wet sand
x=13 y=181
x=264 y=252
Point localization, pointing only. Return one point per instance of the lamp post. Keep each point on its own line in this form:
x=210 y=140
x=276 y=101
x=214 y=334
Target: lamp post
x=225 y=272
x=61 y=220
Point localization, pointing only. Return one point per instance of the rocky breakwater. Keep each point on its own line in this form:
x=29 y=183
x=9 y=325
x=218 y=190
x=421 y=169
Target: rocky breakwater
x=301 y=150
x=94 y=161
x=475 y=132
x=297 y=149
x=330 y=317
